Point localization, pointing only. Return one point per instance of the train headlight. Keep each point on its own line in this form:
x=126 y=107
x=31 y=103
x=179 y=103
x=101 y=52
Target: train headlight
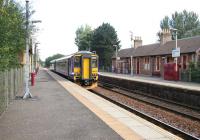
x=72 y=73
x=77 y=74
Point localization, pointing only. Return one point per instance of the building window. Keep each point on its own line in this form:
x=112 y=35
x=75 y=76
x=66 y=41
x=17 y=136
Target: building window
x=146 y=63
x=157 y=63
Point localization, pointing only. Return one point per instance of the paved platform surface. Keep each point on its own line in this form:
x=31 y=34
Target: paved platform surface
x=156 y=80
x=53 y=114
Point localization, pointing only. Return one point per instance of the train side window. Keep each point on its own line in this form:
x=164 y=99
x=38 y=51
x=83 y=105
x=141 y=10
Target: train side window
x=77 y=61
x=94 y=63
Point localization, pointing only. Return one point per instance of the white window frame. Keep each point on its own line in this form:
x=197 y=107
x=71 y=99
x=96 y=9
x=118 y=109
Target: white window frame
x=146 y=65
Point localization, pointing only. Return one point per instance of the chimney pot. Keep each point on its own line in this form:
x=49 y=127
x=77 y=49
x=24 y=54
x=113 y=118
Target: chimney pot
x=137 y=42
x=165 y=36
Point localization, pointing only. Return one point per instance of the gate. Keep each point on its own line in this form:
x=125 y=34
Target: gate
x=170 y=72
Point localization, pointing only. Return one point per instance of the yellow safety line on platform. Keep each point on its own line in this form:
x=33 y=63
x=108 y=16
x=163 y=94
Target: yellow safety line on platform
x=125 y=132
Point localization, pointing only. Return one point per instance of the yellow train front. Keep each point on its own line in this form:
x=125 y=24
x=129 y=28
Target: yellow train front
x=81 y=67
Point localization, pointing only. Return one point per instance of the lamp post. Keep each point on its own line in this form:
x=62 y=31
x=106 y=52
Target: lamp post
x=131 y=34
x=37 y=60
x=27 y=93
x=176 y=59
x=116 y=57
x=35 y=55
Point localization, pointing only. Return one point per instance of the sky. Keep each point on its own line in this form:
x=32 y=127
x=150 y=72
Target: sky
x=61 y=18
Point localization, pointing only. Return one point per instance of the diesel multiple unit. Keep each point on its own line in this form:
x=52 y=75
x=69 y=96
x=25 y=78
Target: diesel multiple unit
x=81 y=67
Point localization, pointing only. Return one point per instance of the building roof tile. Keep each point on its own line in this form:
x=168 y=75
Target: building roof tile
x=187 y=45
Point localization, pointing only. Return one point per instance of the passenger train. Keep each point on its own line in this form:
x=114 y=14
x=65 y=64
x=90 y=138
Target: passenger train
x=80 y=67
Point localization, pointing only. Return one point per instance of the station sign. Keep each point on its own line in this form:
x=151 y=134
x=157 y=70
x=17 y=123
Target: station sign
x=118 y=58
x=176 y=52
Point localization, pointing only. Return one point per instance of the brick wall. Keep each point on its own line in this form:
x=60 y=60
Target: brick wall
x=152 y=68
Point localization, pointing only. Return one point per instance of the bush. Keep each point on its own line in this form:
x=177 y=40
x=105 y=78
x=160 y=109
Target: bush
x=12 y=34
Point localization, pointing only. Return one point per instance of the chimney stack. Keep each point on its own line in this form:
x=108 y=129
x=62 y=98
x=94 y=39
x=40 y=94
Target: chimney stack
x=137 y=42
x=165 y=36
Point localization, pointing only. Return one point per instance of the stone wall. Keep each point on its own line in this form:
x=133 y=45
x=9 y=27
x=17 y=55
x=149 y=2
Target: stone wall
x=178 y=95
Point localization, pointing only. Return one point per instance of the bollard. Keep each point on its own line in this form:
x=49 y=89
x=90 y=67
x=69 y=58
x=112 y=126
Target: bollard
x=32 y=78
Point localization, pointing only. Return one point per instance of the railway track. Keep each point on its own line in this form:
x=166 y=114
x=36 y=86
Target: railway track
x=167 y=126
x=183 y=110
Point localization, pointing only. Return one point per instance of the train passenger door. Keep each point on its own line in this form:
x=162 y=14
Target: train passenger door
x=69 y=67
x=86 y=68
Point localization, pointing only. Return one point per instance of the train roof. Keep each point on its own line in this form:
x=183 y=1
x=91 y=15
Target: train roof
x=62 y=58
x=68 y=56
x=84 y=52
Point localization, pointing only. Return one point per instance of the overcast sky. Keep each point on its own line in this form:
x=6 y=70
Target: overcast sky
x=61 y=18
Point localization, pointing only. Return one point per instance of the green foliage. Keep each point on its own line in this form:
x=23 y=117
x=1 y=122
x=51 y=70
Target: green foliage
x=50 y=58
x=164 y=24
x=194 y=71
x=83 y=37
x=187 y=23
x=100 y=40
x=12 y=33
x=103 y=39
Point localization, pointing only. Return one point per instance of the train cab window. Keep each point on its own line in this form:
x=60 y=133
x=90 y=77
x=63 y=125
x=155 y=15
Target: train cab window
x=94 y=63
x=77 y=61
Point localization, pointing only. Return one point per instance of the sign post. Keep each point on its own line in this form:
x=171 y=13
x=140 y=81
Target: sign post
x=176 y=53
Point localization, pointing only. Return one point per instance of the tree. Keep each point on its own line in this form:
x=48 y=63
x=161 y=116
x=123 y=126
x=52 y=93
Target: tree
x=103 y=39
x=83 y=37
x=50 y=58
x=164 y=24
x=12 y=33
x=187 y=23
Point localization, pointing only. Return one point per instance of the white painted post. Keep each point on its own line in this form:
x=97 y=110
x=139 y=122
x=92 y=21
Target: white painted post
x=27 y=93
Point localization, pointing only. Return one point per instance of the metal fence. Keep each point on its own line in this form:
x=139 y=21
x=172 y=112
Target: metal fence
x=11 y=82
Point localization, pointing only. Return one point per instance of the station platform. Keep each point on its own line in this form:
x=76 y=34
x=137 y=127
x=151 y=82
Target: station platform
x=63 y=110
x=155 y=80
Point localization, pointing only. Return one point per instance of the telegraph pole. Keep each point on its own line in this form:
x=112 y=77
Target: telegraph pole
x=27 y=93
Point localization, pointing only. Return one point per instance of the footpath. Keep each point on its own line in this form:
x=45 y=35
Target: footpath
x=52 y=114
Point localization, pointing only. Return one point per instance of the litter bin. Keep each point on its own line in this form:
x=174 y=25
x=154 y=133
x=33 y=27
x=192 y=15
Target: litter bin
x=32 y=78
